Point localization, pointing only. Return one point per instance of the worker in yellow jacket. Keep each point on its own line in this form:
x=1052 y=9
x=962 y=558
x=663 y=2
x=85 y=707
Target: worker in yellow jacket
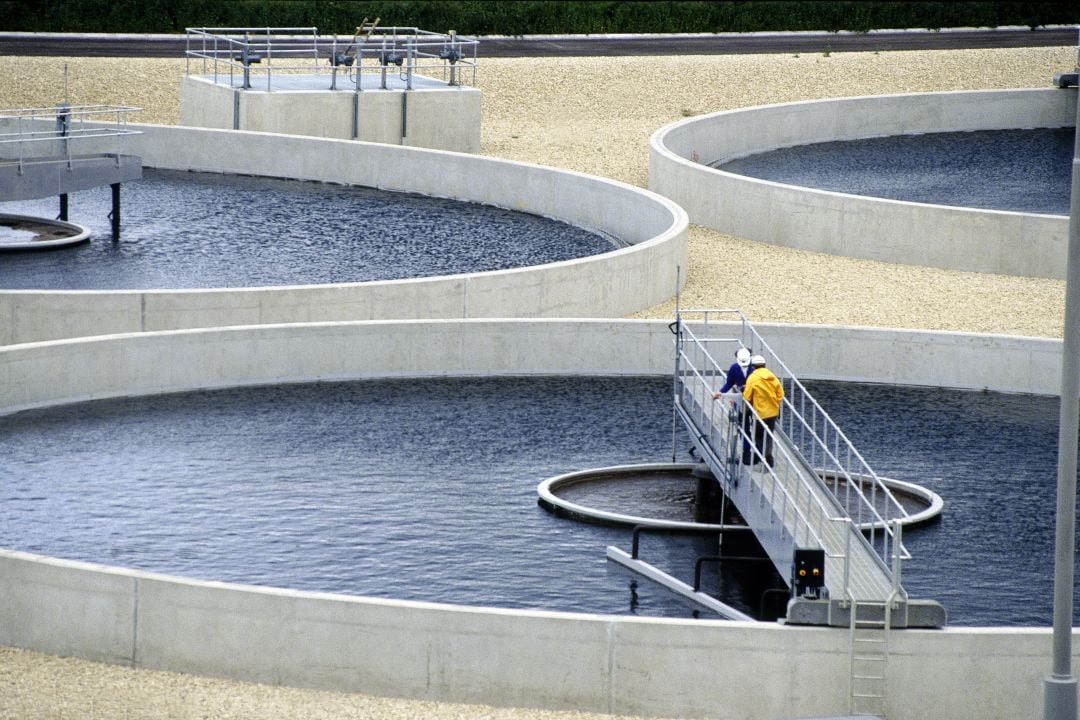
x=763 y=392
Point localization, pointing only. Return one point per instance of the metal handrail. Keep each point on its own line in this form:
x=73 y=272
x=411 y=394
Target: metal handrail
x=786 y=374
x=803 y=521
x=268 y=51
x=63 y=124
x=818 y=439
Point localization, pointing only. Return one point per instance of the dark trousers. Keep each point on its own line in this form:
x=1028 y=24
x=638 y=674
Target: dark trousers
x=762 y=440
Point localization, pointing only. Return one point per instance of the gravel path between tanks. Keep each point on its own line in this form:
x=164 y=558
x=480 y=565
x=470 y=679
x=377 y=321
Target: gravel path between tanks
x=592 y=115
x=595 y=115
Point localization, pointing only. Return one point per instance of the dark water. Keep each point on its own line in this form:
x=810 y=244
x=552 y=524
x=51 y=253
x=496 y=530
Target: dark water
x=426 y=490
x=201 y=230
x=1017 y=170
x=655 y=494
x=993 y=459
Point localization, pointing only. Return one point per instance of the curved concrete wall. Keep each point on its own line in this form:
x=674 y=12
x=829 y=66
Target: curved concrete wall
x=47 y=373
x=892 y=231
x=615 y=664
x=612 y=284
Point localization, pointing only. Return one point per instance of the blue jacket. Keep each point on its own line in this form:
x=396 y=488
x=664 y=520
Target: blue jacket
x=736 y=377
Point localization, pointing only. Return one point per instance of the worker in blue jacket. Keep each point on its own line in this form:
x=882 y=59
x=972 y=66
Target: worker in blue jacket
x=736 y=378
x=737 y=373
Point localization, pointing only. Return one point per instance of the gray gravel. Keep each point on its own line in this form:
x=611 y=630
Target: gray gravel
x=592 y=115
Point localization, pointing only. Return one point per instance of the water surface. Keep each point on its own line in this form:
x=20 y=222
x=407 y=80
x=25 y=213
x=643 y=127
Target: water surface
x=203 y=230
x=426 y=490
x=1017 y=170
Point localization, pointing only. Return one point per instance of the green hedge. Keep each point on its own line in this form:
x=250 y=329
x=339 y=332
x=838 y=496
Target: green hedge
x=522 y=17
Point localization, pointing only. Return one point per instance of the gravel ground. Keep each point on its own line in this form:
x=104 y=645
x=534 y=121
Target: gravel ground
x=592 y=115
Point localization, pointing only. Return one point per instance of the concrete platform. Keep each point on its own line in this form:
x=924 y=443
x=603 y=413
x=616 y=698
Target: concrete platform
x=41 y=177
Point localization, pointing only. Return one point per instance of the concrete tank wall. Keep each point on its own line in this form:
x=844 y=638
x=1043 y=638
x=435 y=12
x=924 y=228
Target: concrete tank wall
x=447 y=118
x=46 y=373
x=615 y=283
x=891 y=231
x=615 y=664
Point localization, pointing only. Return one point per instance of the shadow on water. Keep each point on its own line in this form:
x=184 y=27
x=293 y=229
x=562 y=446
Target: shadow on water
x=426 y=490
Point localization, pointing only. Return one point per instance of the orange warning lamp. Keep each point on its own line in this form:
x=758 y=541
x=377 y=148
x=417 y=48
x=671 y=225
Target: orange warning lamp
x=808 y=572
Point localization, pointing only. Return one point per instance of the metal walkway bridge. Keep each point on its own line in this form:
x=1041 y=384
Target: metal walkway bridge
x=819 y=509
x=37 y=158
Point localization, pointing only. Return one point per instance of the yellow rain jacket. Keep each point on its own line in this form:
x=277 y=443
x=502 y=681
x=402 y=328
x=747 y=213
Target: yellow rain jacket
x=764 y=391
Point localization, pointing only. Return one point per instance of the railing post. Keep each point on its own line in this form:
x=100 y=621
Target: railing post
x=847 y=557
x=269 y=60
x=897 y=533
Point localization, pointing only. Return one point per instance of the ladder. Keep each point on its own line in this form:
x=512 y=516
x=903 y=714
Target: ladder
x=363 y=32
x=869 y=656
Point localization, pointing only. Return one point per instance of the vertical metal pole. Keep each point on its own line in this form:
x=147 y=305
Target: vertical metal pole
x=356 y=111
x=1059 y=699
x=115 y=214
x=333 y=62
x=244 y=62
x=675 y=375
x=269 y=60
x=382 y=61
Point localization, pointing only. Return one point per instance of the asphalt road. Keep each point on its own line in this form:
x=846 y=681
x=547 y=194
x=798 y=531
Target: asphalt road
x=39 y=44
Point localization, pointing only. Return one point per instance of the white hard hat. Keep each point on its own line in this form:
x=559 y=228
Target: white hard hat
x=742 y=356
x=757 y=360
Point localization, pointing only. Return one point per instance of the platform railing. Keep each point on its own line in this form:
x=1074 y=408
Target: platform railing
x=252 y=57
x=696 y=380
x=822 y=446
x=51 y=134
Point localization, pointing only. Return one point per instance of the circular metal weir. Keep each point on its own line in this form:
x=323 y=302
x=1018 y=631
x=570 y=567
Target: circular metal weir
x=25 y=232
x=662 y=496
x=626 y=486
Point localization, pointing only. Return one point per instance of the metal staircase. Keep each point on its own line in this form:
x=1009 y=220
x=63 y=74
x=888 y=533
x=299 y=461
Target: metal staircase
x=819 y=494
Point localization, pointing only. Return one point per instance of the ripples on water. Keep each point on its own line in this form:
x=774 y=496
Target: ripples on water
x=426 y=490
x=200 y=230
x=1018 y=170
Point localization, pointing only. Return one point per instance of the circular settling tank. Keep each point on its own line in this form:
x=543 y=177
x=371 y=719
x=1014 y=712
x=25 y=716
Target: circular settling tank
x=969 y=180
x=426 y=490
